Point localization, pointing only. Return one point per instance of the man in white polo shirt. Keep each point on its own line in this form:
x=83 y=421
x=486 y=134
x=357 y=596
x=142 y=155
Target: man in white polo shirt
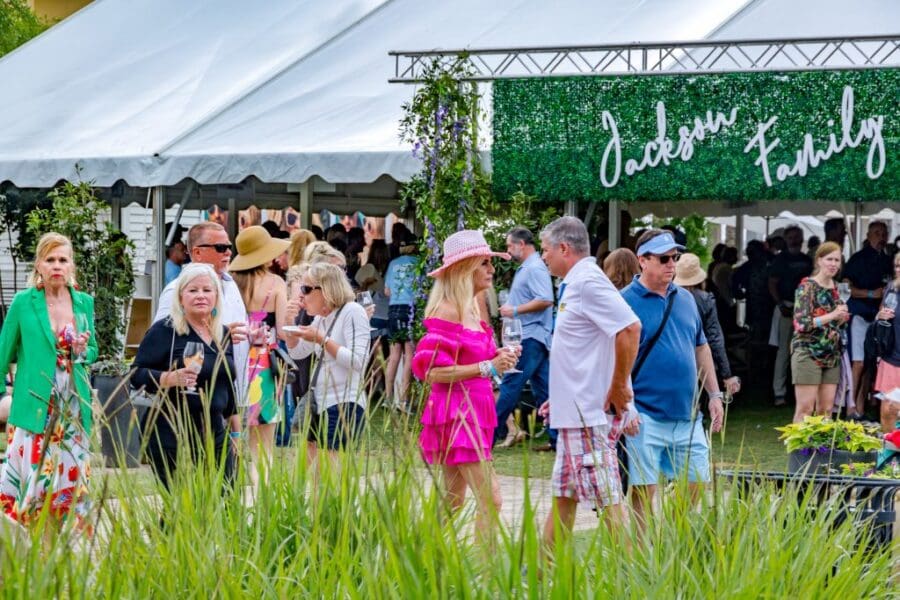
x=595 y=341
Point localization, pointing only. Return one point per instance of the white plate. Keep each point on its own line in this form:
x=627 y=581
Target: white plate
x=291 y=328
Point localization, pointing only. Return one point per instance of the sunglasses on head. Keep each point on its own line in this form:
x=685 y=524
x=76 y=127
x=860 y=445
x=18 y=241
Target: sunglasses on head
x=665 y=258
x=308 y=289
x=220 y=248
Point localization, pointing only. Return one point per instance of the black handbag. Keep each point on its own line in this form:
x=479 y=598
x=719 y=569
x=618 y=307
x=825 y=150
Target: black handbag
x=880 y=339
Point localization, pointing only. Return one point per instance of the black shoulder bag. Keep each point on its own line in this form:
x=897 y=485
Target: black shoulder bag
x=621 y=450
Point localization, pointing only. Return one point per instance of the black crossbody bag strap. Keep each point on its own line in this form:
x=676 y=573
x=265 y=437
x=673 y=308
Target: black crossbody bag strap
x=315 y=376
x=649 y=348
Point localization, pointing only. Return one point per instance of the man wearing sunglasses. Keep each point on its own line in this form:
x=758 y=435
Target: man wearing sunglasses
x=671 y=442
x=208 y=243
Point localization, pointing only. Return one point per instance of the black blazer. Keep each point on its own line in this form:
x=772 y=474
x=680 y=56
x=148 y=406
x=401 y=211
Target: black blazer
x=215 y=381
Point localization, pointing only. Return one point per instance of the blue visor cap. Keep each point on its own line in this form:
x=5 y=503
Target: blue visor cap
x=659 y=245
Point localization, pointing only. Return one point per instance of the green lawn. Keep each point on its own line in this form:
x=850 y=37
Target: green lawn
x=750 y=442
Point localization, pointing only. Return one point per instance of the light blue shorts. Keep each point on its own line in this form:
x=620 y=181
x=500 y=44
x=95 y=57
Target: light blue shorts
x=666 y=449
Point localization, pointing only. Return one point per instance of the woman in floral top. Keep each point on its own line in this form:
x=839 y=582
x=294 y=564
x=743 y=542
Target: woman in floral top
x=819 y=318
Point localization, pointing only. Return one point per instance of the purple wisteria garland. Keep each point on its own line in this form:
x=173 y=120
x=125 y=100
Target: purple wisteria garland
x=451 y=192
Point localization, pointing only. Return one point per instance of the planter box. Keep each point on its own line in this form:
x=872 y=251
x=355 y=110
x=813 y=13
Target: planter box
x=824 y=462
x=120 y=432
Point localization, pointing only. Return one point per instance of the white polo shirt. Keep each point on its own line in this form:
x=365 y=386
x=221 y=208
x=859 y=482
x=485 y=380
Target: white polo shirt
x=233 y=311
x=583 y=354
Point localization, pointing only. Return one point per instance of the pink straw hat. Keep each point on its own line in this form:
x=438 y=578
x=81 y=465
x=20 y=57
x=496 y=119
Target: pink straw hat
x=462 y=245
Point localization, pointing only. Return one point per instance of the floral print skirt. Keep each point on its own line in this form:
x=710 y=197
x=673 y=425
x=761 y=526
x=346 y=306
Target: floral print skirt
x=50 y=468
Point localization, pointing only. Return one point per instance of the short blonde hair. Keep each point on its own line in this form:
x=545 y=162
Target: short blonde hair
x=331 y=278
x=300 y=240
x=296 y=273
x=323 y=251
x=49 y=242
x=189 y=273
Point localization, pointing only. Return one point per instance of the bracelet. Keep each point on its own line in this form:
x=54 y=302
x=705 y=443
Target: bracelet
x=870 y=294
x=484 y=368
x=715 y=396
x=325 y=340
x=494 y=372
x=817 y=321
x=515 y=312
x=236 y=435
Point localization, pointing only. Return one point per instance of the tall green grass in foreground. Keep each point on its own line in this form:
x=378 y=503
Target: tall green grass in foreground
x=377 y=529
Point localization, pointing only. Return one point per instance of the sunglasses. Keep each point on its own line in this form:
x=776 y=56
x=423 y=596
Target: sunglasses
x=308 y=289
x=665 y=258
x=220 y=248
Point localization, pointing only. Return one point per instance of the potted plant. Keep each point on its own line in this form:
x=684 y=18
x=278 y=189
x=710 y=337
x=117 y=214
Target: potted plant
x=820 y=445
x=104 y=270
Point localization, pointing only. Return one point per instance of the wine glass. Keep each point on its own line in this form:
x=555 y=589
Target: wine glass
x=82 y=325
x=844 y=291
x=890 y=301
x=193 y=360
x=512 y=337
x=365 y=300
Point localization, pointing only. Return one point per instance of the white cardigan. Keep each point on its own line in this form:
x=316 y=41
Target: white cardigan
x=341 y=376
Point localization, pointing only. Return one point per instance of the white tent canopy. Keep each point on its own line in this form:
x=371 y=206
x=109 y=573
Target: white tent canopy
x=156 y=91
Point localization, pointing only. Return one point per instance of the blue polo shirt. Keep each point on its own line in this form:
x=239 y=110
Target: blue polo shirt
x=532 y=282
x=666 y=386
x=400 y=277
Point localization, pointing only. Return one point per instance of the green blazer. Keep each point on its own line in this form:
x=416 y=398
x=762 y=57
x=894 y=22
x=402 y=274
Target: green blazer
x=28 y=340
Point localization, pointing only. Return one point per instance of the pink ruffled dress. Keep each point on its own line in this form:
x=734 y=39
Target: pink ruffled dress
x=459 y=418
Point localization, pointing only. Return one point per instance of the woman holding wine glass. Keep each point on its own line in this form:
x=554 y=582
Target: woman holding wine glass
x=47 y=332
x=820 y=318
x=188 y=360
x=458 y=358
x=888 y=377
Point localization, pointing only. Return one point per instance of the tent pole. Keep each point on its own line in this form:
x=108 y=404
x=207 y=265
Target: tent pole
x=306 y=194
x=571 y=208
x=739 y=229
x=857 y=225
x=159 y=228
x=184 y=200
x=232 y=219
x=614 y=225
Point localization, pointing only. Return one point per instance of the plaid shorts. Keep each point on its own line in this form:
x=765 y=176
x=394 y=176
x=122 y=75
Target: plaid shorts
x=586 y=468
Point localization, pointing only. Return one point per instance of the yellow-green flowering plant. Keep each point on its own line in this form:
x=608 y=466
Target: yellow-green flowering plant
x=820 y=434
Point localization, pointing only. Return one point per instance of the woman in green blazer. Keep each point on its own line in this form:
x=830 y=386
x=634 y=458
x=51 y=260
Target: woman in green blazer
x=48 y=333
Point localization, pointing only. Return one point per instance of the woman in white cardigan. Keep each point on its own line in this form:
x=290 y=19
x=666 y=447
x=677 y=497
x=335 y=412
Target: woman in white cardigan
x=338 y=339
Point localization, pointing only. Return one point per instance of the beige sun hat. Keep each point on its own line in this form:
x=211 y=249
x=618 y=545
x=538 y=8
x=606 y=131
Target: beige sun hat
x=688 y=271
x=256 y=247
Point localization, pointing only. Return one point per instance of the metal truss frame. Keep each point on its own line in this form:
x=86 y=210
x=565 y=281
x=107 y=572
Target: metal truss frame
x=661 y=58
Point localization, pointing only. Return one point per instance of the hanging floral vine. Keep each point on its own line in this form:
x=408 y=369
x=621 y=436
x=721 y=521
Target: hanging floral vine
x=451 y=192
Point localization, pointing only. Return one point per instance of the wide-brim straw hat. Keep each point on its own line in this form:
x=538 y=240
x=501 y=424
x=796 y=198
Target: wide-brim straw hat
x=688 y=271
x=464 y=244
x=256 y=247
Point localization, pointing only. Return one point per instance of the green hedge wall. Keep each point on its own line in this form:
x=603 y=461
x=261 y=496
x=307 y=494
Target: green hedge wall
x=550 y=135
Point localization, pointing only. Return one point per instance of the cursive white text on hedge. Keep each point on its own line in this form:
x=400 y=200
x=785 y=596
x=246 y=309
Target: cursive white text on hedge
x=660 y=149
x=808 y=157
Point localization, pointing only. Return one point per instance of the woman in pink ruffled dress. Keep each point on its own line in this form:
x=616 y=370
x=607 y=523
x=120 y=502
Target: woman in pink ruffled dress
x=458 y=357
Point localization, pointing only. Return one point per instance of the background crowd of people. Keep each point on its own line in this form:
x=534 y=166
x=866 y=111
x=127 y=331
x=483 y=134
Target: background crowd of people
x=324 y=321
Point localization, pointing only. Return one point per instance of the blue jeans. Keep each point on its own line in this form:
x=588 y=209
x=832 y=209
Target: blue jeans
x=535 y=366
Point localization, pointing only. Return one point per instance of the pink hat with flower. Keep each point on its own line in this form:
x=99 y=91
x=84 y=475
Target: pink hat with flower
x=465 y=244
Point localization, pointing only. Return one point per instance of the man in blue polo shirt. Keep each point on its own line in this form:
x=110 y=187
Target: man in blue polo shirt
x=531 y=301
x=671 y=441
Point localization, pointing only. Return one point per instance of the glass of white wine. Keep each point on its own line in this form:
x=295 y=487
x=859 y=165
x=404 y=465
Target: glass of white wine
x=512 y=337
x=193 y=360
x=365 y=300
